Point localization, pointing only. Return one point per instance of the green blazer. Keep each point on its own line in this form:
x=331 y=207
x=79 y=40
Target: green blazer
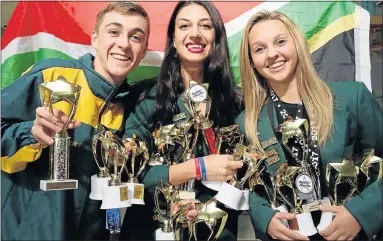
x=138 y=222
x=357 y=126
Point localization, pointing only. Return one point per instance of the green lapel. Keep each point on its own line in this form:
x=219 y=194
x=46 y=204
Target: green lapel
x=266 y=133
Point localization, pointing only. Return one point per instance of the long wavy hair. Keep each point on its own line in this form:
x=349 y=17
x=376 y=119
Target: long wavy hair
x=316 y=95
x=226 y=98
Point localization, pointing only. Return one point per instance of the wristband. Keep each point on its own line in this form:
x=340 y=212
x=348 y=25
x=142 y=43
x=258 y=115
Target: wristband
x=197 y=169
x=203 y=168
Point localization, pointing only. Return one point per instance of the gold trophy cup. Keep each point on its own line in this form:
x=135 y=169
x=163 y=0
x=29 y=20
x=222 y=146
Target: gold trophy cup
x=51 y=93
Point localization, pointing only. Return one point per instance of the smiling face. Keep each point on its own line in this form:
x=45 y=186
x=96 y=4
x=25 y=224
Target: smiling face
x=194 y=35
x=120 y=43
x=273 y=51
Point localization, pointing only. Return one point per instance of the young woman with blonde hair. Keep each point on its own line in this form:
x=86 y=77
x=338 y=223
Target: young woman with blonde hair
x=279 y=80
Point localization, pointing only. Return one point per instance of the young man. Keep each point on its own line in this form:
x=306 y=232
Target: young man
x=121 y=40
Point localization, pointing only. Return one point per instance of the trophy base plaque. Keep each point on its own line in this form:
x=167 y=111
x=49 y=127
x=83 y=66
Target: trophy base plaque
x=96 y=186
x=136 y=193
x=326 y=217
x=54 y=185
x=161 y=235
x=232 y=197
x=115 y=197
x=303 y=224
x=184 y=195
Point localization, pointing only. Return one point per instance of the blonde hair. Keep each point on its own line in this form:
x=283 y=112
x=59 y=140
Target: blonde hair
x=124 y=8
x=315 y=93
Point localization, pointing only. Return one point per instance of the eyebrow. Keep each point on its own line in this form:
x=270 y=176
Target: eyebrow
x=120 y=26
x=187 y=20
x=277 y=36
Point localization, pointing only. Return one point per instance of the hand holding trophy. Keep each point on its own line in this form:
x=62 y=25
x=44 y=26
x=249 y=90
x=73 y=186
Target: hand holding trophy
x=51 y=93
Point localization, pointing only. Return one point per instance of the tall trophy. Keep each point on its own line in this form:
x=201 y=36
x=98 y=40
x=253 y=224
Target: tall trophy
x=165 y=196
x=306 y=181
x=196 y=100
x=103 y=155
x=53 y=92
x=139 y=158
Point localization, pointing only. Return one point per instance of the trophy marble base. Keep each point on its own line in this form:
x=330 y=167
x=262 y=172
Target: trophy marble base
x=232 y=197
x=136 y=193
x=52 y=185
x=161 y=235
x=115 y=197
x=303 y=224
x=326 y=217
x=96 y=186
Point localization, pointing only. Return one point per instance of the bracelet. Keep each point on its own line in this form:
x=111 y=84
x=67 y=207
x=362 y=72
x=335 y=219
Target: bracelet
x=197 y=169
x=203 y=168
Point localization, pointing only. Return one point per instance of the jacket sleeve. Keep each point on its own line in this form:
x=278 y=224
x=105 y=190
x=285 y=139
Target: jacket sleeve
x=138 y=124
x=19 y=102
x=367 y=206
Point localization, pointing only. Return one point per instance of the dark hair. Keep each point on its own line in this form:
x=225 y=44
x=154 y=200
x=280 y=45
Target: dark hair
x=226 y=98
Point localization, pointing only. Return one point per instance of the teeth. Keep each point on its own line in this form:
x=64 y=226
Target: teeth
x=120 y=57
x=195 y=46
x=277 y=64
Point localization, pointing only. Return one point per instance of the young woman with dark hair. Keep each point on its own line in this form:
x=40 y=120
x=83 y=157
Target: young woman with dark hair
x=196 y=49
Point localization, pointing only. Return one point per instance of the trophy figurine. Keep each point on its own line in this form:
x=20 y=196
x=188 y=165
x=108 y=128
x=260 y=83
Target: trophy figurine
x=369 y=160
x=139 y=159
x=165 y=196
x=342 y=184
x=226 y=141
x=51 y=93
x=115 y=195
x=214 y=218
x=101 y=146
x=234 y=194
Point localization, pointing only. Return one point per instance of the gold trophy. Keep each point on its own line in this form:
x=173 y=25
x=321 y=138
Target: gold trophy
x=139 y=159
x=214 y=218
x=165 y=196
x=115 y=195
x=235 y=194
x=307 y=182
x=101 y=145
x=369 y=160
x=227 y=139
x=342 y=185
x=51 y=93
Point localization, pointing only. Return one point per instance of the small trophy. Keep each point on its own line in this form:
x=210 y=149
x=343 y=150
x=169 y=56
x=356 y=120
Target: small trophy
x=342 y=185
x=366 y=175
x=139 y=159
x=233 y=194
x=101 y=148
x=51 y=93
x=115 y=195
x=214 y=218
x=226 y=141
x=164 y=198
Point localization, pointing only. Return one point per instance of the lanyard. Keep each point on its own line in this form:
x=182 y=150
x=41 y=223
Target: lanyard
x=311 y=152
